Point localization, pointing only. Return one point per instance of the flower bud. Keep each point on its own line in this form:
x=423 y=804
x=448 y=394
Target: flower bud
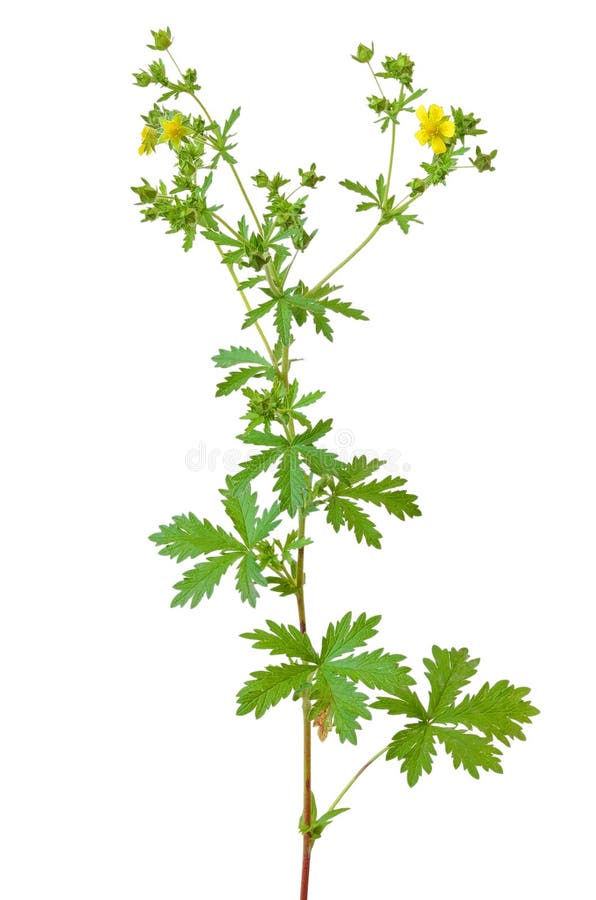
x=161 y=39
x=364 y=54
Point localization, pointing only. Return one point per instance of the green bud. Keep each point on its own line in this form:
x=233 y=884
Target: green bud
x=364 y=54
x=145 y=192
x=143 y=78
x=261 y=179
x=465 y=124
x=309 y=177
x=161 y=39
x=378 y=104
x=400 y=67
x=483 y=161
x=418 y=187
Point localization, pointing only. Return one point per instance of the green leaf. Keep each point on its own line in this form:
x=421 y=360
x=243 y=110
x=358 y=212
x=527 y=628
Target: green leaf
x=258 y=312
x=338 y=701
x=341 y=511
x=346 y=636
x=448 y=672
x=201 y=581
x=374 y=668
x=315 y=830
x=266 y=688
x=360 y=468
x=359 y=189
x=241 y=507
x=237 y=356
x=415 y=747
x=469 y=750
x=283 y=320
x=249 y=575
x=308 y=399
x=311 y=435
x=404 y=703
x=382 y=493
x=235 y=380
x=266 y=523
x=291 y=482
x=263 y=438
x=283 y=640
x=498 y=711
x=188 y=537
x=256 y=465
x=343 y=308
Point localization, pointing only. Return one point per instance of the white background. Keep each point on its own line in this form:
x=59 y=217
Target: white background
x=126 y=773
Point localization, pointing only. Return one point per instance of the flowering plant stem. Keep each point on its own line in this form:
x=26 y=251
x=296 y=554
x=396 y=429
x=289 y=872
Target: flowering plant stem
x=327 y=675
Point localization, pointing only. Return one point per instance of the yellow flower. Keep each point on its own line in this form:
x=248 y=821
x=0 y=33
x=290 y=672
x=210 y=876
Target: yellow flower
x=149 y=140
x=173 y=130
x=435 y=127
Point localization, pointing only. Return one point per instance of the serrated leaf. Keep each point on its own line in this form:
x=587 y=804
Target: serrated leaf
x=308 y=399
x=345 y=636
x=291 y=482
x=342 y=703
x=404 y=703
x=266 y=688
x=448 y=673
x=498 y=711
x=415 y=747
x=342 y=511
x=283 y=320
x=360 y=468
x=201 y=581
x=241 y=507
x=469 y=750
x=255 y=466
x=238 y=356
x=383 y=493
x=258 y=312
x=311 y=435
x=374 y=668
x=236 y=380
x=343 y=308
x=189 y=537
x=266 y=523
x=283 y=640
x=358 y=189
x=248 y=576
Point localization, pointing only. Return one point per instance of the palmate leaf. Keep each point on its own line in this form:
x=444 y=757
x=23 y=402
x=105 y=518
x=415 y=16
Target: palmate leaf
x=255 y=466
x=283 y=640
x=497 y=711
x=189 y=537
x=266 y=688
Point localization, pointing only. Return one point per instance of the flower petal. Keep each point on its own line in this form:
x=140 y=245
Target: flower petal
x=435 y=113
x=422 y=115
x=447 y=129
x=438 y=144
x=422 y=136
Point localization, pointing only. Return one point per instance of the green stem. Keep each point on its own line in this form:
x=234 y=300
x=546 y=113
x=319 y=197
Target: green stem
x=347 y=259
x=227 y=225
x=231 y=165
x=262 y=334
x=356 y=777
x=391 y=155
